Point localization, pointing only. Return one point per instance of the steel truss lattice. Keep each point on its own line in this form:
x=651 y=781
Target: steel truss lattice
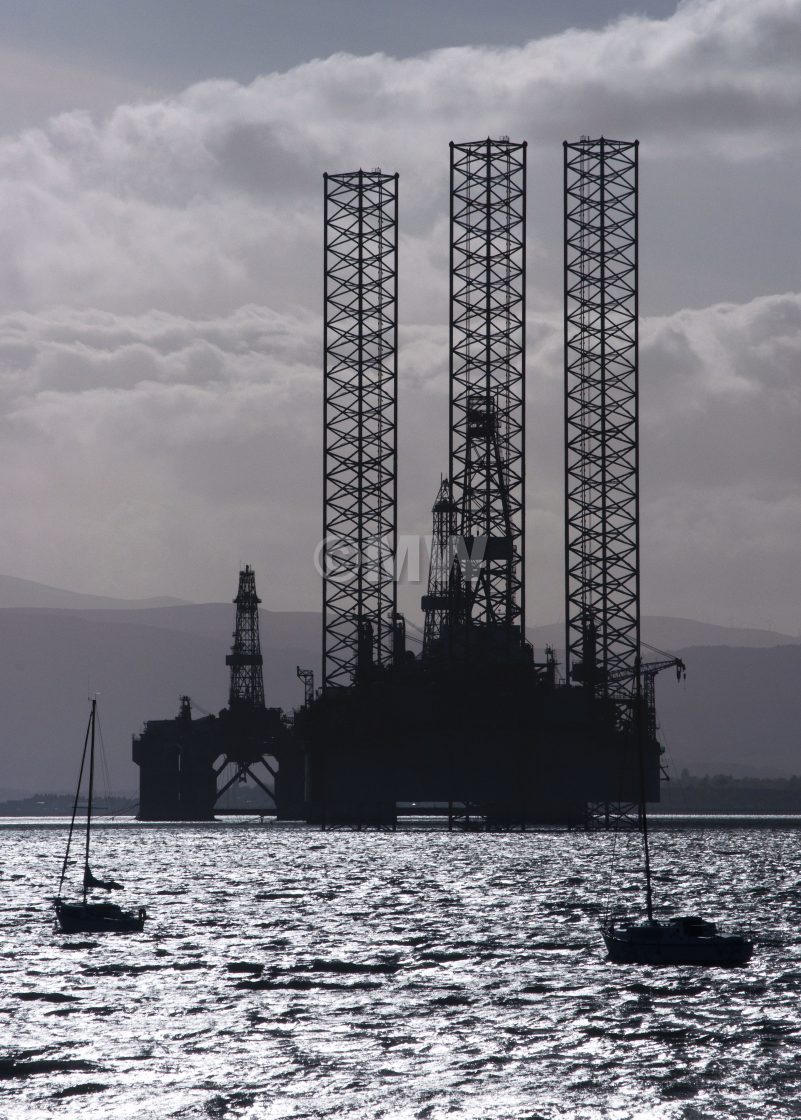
x=487 y=365
x=359 y=498
x=245 y=659
x=438 y=604
x=601 y=414
x=307 y=676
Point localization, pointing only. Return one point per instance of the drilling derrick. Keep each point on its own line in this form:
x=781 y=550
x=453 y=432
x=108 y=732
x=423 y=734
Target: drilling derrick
x=360 y=373
x=245 y=660
x=487 y=384
x=438 y=604
x=250 y=732
x=186 y=764
x=601 y=424
x=307 y=676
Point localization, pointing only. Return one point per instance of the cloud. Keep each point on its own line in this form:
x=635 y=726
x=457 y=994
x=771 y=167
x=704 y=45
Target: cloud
x=211 y=199
x=721 y=407
x=155 y=450
x=173 y=449
x=133 y=438
x=720 y=413
x=160 y=354
x=725 y=377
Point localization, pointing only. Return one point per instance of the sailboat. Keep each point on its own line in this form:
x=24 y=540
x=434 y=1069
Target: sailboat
x=86 y=916
x=688 y=939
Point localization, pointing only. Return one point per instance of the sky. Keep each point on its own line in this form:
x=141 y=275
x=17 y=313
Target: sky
x=161 y=298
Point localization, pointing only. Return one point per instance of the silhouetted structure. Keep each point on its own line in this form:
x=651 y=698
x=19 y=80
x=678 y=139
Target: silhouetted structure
x=307 y=676
x=360 y=374
x=245 y=660
x=177 y=780
x=602 y=568
x=475 y=728
x=186 y=765
x=248 y=728
x=443 y=581
x=487 y=385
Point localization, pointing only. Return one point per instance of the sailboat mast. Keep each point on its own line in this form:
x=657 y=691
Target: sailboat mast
x=75 y=807
x=89 y=799
x=639 y=717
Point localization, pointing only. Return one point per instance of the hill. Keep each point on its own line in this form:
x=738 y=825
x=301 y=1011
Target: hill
x=673 y=634
x=15 y=592
x=738 y=712
x=139 y=662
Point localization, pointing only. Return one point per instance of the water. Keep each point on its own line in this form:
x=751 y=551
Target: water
x=293 y=973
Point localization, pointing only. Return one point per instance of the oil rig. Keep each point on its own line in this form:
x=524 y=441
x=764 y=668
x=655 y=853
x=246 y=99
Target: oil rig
x=475 y=729
x=186 y=765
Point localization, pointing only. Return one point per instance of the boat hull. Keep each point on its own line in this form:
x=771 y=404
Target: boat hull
x=98 y=917
x=657 y=943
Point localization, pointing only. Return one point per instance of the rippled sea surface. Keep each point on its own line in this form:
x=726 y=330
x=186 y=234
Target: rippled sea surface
x=287 y=972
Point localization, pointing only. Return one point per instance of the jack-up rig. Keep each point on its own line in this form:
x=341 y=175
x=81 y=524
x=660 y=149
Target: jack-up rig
x=475 y=728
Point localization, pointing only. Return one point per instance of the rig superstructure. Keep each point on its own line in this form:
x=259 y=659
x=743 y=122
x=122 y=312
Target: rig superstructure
x=475 y=728
x=186 y=765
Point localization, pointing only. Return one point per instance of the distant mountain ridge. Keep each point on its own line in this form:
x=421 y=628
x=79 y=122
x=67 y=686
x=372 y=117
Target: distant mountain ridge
x=16 y=592
x=658 y=630
x=671 y=634
x=738 y=712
